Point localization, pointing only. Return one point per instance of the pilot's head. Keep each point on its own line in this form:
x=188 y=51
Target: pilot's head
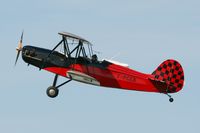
x=94 y=58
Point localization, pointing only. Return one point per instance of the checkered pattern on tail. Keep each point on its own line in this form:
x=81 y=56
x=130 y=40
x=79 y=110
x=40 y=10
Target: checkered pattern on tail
x=171 y=73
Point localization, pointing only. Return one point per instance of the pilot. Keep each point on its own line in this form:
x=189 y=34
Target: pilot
x=94 y=58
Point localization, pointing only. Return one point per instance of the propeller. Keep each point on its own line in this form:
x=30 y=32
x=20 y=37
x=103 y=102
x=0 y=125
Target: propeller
x=19 y=48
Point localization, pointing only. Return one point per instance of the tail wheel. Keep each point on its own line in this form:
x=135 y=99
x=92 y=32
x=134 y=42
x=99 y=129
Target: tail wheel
x=171 y=99
x=52 y=91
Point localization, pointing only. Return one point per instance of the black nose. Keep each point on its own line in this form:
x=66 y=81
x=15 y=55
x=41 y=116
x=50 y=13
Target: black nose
x=29 y=51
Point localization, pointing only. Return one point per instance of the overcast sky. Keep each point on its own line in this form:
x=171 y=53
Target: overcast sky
x=142 y=33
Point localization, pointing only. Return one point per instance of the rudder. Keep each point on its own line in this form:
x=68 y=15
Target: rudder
x=170 y=72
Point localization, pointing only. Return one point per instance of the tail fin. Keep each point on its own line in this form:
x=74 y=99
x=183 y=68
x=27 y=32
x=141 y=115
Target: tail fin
x=170 y=72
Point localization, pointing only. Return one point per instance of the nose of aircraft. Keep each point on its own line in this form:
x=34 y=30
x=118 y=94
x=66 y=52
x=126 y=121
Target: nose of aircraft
x=28 y=51
x=39 y=57
x=31 y=55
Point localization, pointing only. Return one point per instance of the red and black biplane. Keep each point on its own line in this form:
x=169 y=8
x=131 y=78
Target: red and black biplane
x=75 y=60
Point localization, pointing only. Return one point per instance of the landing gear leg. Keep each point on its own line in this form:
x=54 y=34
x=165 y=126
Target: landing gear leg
x=170 y=98
x=52 y=91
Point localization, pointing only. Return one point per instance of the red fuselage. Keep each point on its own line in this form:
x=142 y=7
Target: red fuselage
x=114 y=76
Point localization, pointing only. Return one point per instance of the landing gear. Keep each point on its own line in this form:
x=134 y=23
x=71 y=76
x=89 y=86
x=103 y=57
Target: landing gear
x=52 y=91
x=170 y=98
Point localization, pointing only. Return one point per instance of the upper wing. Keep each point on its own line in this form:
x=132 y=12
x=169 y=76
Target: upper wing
x=72 y=36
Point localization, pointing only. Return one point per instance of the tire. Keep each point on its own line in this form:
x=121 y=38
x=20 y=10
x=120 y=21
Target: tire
x=52 y=92
x=171 y=100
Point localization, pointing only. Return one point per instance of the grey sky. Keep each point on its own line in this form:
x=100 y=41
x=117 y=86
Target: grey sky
x=144 y=32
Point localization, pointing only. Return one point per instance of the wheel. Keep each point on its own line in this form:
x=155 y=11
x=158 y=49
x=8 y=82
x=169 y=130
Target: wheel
x=52 y=91
x=171 y=99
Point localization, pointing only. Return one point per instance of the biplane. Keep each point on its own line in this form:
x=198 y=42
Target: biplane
x=73 y=58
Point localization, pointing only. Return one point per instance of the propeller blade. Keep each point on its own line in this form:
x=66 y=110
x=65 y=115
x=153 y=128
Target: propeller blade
x=18 y=52
x=19 y=48
x=22 y=36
